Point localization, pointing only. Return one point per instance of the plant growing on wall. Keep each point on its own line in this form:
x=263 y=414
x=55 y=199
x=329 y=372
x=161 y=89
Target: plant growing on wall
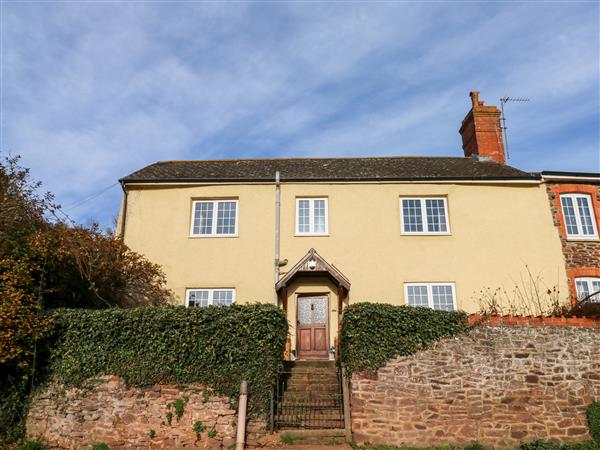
x=373 y=333
x=217 y=347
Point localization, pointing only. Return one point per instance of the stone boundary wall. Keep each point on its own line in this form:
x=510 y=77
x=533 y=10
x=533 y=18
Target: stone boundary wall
x=123 y=417
x=498 y=386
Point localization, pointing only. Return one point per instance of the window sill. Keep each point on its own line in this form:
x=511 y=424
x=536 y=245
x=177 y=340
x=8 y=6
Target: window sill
x=311 y=235
x=425 y=234
x=213 y=236
x=583 y=239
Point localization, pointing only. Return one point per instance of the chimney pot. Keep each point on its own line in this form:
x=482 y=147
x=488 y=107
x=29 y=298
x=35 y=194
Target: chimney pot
x=481 y=132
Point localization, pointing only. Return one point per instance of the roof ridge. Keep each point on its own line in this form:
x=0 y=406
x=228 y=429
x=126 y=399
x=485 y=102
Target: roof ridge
x=305 y=158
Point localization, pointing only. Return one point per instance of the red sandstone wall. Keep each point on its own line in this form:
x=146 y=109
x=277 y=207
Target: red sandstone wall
x=498 y=386
x=122 y=417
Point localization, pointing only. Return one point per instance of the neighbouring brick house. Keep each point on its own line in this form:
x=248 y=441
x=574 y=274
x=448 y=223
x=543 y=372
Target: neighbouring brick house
x=575 y=203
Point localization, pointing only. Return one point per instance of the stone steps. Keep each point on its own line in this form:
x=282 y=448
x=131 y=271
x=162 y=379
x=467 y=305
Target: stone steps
x=316 y=437
x=311 y=397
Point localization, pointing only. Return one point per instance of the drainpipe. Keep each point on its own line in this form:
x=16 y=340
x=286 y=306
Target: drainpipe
x=277 y=228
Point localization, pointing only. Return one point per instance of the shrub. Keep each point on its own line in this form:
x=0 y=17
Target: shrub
x=593 y=417
x=373 y=333
x=540 y=445
x=215 y=346
x=475 y=446
x=100 y=446
x=33 y=444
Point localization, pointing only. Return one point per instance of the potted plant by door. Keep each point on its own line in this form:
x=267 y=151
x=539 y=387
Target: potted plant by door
x=331 y=353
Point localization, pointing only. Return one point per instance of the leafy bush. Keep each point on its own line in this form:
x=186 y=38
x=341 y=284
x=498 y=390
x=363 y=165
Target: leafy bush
x=373 y=333
x=593 y=417
x=33 y=444
x=216 y=346
x=100 y=446
x=540 y=445
x=546 y=445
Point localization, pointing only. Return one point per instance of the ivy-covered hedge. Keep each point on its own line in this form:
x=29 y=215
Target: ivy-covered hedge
x=216 y=346
x=373 y=333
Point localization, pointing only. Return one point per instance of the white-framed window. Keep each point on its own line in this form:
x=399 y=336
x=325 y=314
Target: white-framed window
x=214 y=218
x=440 y=296
x=578 y=213
x=424 y=215
x=209 y=297
x=312 y=216
x=586 y=286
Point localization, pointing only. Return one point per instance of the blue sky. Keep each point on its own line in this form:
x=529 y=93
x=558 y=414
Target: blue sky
x=92 y=91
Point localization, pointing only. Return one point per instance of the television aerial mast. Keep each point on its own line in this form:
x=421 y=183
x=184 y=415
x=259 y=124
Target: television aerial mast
x=503 y=101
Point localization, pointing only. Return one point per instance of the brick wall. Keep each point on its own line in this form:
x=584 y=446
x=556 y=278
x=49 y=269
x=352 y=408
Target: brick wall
x=124 y=417
x=498 y=386
x=582 y=258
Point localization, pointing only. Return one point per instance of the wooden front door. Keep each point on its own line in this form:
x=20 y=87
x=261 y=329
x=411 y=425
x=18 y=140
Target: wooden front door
x=312 y=327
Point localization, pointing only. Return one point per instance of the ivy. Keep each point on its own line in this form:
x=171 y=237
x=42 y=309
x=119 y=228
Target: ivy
x=215 y=346
x=373 y=333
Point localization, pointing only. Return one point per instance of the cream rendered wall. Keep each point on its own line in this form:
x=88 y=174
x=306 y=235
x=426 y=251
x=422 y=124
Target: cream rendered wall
x=495 y=231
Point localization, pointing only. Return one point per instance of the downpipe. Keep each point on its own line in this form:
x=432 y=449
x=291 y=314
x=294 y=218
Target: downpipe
x=277 y=229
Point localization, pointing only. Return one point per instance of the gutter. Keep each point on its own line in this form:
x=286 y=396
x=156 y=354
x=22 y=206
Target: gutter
x=472 y=180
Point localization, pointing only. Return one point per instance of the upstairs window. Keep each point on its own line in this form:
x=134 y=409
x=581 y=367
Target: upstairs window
x=586 y=287
x=214 y=218
x=311 y=216
x=210 y=297
x=439 y=296
x=424 y=216
x=579 y=216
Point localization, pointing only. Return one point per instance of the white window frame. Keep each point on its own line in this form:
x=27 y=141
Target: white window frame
x=211 y=292
x=591 y=290
x=429 y=285
x=311 y=212
x=215 y=203
x=580 y=236
x=424 y=217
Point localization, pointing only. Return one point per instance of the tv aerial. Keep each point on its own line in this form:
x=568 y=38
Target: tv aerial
x=503 y=101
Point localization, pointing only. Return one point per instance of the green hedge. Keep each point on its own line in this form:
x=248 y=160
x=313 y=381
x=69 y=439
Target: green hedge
x=593 y=416
x=216 y=346
x=373 y=333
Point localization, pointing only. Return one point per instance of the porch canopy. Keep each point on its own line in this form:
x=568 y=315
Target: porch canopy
x=311 y=265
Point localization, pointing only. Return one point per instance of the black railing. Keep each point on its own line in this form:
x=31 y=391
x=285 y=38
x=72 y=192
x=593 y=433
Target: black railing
x=307 y=399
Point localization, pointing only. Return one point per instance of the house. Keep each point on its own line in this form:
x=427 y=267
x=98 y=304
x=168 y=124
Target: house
x=315 y=234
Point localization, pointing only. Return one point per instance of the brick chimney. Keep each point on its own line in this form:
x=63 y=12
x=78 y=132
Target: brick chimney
x=481 y=132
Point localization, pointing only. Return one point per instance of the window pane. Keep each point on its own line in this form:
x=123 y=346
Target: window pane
x=198 y=298
x=411 y=212
x=203 y=217
x=436 y=216
x=222 y=297
x=417 y=295
x=569 y=213
x=442 y=297
x=596 y=288
x=583 y=289
x=319 y=216
x=585 y=216
x=304 y=216
x=226 y=217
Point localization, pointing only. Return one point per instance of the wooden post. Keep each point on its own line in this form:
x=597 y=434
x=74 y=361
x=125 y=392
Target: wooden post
x=346 y=400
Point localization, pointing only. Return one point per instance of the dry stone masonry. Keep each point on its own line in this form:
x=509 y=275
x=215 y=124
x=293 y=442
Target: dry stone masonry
x=498 y=386
x=125 y=417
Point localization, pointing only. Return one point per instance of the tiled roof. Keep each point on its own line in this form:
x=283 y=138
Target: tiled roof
x=327 y=169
